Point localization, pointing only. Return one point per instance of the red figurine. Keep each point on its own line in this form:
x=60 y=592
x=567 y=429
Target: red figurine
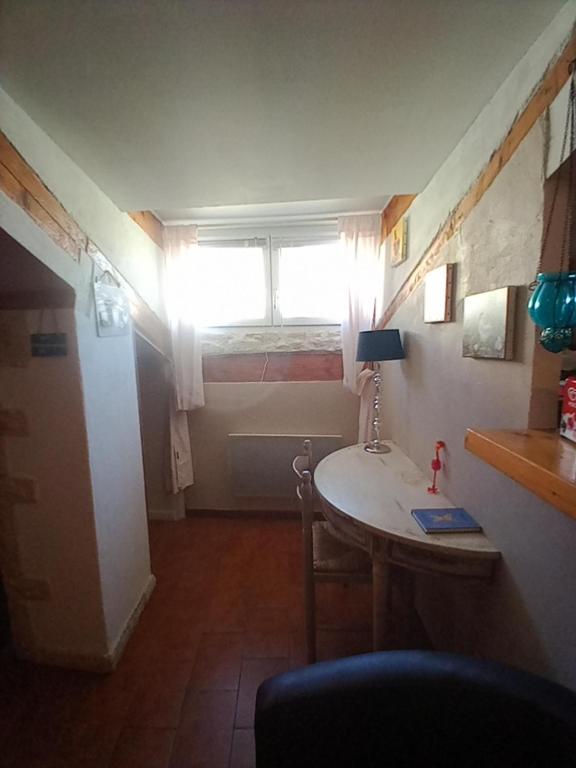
x=436 y=465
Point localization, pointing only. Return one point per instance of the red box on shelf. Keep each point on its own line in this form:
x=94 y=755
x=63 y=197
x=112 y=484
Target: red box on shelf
x=568 y=419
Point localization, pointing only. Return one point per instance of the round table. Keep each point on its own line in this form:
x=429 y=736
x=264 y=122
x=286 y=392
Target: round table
x=369 y=497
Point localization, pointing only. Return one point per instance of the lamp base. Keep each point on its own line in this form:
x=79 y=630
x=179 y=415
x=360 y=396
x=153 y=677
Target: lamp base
x=377 y=447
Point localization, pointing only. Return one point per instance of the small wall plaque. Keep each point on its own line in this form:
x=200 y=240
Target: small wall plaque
x=48 y=345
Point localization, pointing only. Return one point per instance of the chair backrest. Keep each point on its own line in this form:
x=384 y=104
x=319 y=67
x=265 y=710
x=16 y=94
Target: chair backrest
x=303 y=462
x=302 y=466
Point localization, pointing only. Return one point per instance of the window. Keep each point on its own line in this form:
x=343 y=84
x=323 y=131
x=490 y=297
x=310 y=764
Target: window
x=231 y=280
x=280 y=277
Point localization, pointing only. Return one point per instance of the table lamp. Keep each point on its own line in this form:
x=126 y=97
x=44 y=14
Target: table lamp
x=375 y=347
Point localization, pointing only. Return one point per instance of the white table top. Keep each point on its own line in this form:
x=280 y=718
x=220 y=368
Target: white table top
x=378 y=491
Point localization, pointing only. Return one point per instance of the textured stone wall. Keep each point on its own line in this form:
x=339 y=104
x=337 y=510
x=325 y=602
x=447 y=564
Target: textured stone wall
x=228 y=341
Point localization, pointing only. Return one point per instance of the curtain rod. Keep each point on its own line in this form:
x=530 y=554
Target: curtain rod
x=270 y=220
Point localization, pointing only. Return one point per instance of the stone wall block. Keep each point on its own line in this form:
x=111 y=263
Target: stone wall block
x=18 y=490
x=13 y=423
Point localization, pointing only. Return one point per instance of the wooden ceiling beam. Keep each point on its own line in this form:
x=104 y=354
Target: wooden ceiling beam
x=394 y=211
x=151 y=224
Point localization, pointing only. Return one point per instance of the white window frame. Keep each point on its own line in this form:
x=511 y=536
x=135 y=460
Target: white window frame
x=276 y=244
x=273 y=238
x=263 y=242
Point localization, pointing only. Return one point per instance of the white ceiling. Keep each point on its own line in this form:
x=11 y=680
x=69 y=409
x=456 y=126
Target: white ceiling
x=178 y=104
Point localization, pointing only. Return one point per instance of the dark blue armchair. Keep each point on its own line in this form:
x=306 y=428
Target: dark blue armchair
x=413 y=709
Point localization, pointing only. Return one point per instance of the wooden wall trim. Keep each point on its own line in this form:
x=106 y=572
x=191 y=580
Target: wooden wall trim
x=554 y=79
x=394 y=211
x=150 y=224
x=21 y=183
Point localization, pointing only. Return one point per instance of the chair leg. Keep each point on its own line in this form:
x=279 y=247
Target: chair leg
x=309 y=595
x=310 y=610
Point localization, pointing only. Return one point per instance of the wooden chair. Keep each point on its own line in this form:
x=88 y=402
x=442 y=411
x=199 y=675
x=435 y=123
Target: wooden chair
x=326 y=556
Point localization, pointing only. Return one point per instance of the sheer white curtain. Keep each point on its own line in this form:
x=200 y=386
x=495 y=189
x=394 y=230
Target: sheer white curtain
x=360 y=240
x=179 y=245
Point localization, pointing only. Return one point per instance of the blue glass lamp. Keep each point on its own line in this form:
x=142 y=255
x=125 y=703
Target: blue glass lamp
x=552 y=305
x=375 y=347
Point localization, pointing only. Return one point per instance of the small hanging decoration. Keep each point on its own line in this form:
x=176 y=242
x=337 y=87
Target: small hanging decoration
x=112 y=308
x=552 y=305
x=436 y=465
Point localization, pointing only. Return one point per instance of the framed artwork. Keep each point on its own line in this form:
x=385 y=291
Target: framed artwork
x=438 y=286
x=489 y=324
x=399 y=243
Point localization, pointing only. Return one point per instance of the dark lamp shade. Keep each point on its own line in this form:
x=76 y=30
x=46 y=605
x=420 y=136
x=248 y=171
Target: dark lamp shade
x=375 y=346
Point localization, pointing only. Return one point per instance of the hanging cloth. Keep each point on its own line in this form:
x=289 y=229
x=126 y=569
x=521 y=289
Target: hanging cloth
x=187 y=381
x=364 y=270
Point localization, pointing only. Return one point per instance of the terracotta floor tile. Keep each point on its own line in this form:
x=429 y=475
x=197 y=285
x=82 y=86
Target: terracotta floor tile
x=254 y=671
x=159 y=694
x=87 y=745
x=267 y=645
x=230 y=609
x=174 y=637
x=143 y=748
x=218 y=661
x=204 y=737
x=265 y=618
x=226 y=613
x=243 y=749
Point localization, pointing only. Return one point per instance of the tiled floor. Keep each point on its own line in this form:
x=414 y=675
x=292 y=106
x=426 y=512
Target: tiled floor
x=226 y=614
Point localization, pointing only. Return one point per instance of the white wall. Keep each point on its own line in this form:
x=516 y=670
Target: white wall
x=526 y=616
x=119 y=238
x=55 y=538
x=116 y=506
x=115 y=452
x=302 y=407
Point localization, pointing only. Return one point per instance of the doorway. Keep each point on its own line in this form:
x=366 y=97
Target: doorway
x=36 y=319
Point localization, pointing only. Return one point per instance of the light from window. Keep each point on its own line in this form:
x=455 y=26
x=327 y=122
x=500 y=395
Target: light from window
x=290 y=275
x=230 y=286
x=310 y=283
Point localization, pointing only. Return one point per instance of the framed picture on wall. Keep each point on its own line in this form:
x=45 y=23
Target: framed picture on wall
x=399 y=243
x=489 y=324
x=438 y=285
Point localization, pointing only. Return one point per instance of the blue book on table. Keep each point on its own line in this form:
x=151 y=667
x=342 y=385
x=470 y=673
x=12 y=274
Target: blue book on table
x=450 y=520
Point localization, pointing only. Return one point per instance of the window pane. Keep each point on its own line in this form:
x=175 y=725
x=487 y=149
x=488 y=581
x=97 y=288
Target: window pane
x=229 y=286
x=311 y=282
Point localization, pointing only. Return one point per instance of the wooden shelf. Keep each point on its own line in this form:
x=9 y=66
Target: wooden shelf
x=540 y=460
